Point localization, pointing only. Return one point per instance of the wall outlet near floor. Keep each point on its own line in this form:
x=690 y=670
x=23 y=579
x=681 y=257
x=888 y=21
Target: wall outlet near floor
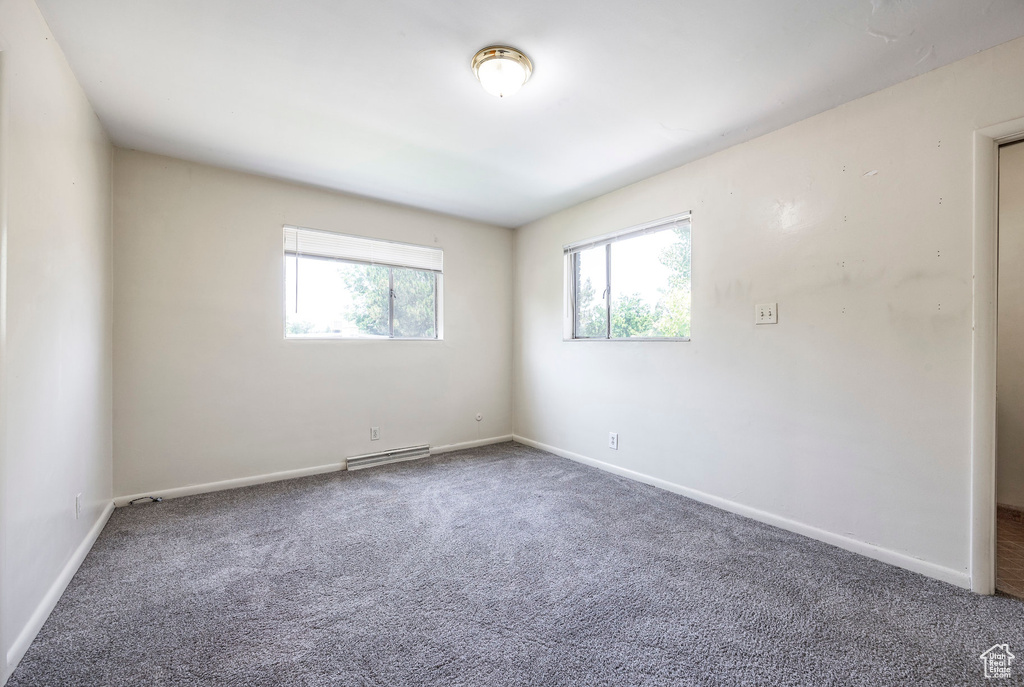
x=613 y=440
x=766 y=313
x=374 y=433
x=78 y=506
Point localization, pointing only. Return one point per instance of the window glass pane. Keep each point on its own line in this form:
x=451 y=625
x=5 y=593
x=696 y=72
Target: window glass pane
x=414 y=304
x=367 y=286
x=591 y=284
x=651 y=285
x=335 y=298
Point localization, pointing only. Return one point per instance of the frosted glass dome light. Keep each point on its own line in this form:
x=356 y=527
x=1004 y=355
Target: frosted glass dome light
x=502 y=70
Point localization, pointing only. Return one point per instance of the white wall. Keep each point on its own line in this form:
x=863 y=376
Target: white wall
x=57 y=351
x=1010 y=363
x=850 y=419
x=206 y=387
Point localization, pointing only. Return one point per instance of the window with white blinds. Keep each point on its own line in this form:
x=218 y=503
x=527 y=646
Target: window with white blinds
x=354 y=287
x=632 y=284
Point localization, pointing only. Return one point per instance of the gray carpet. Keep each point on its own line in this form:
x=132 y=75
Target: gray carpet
x=496 y=566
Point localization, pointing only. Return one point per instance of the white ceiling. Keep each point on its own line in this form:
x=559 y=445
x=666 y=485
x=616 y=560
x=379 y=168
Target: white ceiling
x=377 y=97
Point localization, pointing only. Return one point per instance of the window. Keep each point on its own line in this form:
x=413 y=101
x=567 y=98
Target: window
x=632 y=284
x=352 y=287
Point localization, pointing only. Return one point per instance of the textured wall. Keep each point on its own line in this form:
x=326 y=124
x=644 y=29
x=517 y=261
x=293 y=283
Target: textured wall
x=850 y=419
x=57 y=352
x=206 y=386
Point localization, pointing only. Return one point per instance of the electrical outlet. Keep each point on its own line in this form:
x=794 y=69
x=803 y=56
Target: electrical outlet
x=374 y=433
x=613 y=440
x=78 y=506
x=766 y=313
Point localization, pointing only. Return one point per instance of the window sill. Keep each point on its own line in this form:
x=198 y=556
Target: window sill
x=354 y=338
x=634 y=338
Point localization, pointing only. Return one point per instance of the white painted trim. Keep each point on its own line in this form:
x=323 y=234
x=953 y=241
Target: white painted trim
x=5 y=669
x=223 y=485
x=956 y=577
x=983 y=353
x=178 y=492
x=470 y=444
x=49 y=601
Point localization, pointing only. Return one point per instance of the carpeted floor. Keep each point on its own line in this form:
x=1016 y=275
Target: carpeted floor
x=496 y=566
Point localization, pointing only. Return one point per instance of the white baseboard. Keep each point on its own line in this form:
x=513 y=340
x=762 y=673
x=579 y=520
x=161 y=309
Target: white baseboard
x=470 y=444
x=208 y=487
x=53 y=594
x=939 y=572
x=223 y=485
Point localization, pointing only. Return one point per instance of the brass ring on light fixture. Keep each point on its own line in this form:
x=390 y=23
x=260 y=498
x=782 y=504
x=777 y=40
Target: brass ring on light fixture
x=494 y=52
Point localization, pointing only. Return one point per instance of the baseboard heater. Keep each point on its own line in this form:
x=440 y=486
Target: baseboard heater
x=393 y=456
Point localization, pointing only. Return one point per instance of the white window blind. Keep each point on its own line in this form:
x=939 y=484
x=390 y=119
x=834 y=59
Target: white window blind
x=681 y=221
x=326 y=244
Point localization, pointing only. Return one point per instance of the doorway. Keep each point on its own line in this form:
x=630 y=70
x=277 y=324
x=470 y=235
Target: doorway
x=4 y=147
x=1010 y=374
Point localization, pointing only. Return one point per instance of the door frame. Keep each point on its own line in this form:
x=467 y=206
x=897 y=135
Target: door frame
x=5 y=668
x=983 y=350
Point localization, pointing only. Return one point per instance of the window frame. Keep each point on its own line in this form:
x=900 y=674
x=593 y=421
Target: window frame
x=391 y=267
x=571 y=254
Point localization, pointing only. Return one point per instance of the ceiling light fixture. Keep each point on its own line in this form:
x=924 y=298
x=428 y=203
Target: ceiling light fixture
x=501 y=70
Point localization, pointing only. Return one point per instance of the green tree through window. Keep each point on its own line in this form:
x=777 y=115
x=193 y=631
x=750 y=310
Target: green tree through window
x=664 y=312
x=415 y=301
x=368 y=286
x=347 y=286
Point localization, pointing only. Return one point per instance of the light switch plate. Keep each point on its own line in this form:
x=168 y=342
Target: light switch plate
x=766 y=313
